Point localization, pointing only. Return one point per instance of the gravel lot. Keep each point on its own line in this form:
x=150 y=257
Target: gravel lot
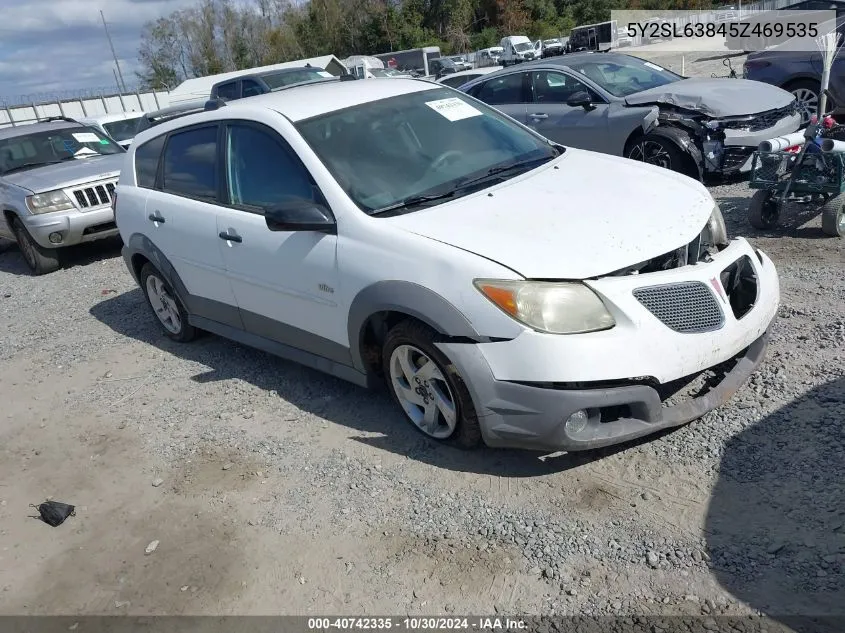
x=275 y=489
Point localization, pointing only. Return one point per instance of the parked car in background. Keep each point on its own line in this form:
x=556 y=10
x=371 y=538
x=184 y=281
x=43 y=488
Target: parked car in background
x=726 y=13
x=262 y=83
x=623 y=105
x=548 y=48
x=443 y=66
x=57 y=182
x=398 y=233
x=119 y=126
x=516 y=49
x=460 y=62
x=799 y=72
x=465 y=76
x=488 y=56
x=388 y=72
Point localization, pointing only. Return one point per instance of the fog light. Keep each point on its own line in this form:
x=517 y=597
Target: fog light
x=55 y=238
x=576 y=422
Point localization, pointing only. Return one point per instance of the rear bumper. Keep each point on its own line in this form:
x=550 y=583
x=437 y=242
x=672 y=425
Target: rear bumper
x=74 y=226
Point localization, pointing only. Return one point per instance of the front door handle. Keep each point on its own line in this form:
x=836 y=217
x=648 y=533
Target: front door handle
x=229 y=237
x=156 y=217
x=539 y=115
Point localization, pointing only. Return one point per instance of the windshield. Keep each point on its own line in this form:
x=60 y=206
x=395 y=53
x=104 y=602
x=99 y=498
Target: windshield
x=122 y=130
x=625 y=75
x=289 y=77
x=424 y=143
x=53 y=146
x=550 y=42
x=522 y=47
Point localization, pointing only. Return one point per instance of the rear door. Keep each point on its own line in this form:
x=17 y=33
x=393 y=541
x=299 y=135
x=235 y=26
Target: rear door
x=508 y=93
x=551 y=117
x=181 y=214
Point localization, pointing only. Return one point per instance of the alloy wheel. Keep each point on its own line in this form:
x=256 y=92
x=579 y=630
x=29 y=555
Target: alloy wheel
x=652 y=153
x=164 y=305
x=808 y=102
x=423 y=392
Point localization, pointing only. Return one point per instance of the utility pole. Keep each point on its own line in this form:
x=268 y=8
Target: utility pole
x=117 y=65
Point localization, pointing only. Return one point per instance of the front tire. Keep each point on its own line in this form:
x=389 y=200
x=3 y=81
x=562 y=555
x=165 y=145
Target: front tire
x=656 y=150
x=833 y=216
x=39 y=259
x=763 y=210
x=427 y=387
x=165 y=305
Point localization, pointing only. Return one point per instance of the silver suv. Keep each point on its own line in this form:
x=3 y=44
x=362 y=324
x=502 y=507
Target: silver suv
x=57 y=182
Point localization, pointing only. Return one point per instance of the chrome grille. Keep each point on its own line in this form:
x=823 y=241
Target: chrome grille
x=686 y=307
x=95 y=195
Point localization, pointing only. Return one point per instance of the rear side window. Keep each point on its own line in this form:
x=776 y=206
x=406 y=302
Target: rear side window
x=252 y=88
x=228 y=91
x=503 y=90
x=190 y=164
x=146 y=162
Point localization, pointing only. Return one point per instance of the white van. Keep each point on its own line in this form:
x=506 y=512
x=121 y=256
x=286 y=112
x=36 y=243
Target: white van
x=517 y=48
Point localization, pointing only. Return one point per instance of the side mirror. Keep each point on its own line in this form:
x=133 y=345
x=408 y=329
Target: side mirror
x=581 y=99
x=299 y=214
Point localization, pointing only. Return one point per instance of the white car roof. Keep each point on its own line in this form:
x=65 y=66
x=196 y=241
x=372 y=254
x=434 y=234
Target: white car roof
x=304 y=102
x=475 y=71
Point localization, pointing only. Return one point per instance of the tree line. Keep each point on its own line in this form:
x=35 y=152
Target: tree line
x=216 y=36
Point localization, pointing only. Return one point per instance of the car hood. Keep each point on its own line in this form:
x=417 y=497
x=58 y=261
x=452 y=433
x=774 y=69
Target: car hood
x=67 y=174
x=591 y=216
x=715 y=97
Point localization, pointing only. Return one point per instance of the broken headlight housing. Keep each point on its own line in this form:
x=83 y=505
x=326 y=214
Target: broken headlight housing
x=715 y=232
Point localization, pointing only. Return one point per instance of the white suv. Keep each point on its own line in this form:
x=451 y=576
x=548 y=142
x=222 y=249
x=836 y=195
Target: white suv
x=505 y=288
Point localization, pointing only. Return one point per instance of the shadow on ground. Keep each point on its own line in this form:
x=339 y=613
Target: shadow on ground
x=360 y=410
x=11 y=260
x=776 y=520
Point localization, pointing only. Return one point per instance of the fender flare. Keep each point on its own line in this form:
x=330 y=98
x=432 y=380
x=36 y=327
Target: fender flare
x=409 y=298
x=140 y=244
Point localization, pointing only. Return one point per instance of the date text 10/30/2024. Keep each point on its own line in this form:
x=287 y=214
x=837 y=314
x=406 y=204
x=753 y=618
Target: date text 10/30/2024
x=417 y=623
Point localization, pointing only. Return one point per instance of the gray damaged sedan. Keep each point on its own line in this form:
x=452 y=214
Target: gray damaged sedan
x=57 y=182
x=623 y=105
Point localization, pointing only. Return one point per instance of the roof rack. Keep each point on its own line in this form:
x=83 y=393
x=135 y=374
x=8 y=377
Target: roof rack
x=51 y=119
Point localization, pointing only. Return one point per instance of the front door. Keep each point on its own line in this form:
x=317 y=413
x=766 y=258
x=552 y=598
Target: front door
x=567 y=125
x=284 y=281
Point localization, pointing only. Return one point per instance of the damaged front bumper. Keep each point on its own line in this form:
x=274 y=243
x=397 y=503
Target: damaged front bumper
x=732 y=153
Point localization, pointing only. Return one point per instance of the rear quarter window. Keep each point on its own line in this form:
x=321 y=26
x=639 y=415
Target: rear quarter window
x=147 y=158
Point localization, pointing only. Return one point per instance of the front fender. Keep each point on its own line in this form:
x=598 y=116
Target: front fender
x=409 y=298
x=685 y=142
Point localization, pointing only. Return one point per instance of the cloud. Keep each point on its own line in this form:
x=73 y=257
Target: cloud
x=59 y=46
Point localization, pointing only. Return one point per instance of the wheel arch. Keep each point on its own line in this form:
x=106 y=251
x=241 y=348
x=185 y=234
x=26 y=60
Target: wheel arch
x=694 y=161
x=382 y=305
x=139 y=250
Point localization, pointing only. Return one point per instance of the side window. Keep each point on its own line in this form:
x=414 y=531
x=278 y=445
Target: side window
x=146 y=162
x=503 y=90
x=228 y=91
x=251 y=88
x=190 y=164
x=554 y=87
x=261 y=170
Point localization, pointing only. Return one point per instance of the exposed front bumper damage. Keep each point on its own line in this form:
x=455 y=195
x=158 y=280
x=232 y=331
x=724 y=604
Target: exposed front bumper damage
x=724 y=147
x=632 y=380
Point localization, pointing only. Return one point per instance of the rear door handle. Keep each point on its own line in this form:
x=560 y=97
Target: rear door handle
x=229 y=237
x=156 y=217
x=539 y=115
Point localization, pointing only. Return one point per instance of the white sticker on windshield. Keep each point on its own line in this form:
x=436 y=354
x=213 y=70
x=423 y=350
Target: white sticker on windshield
x=654 y=66
x=453 y=108
x=86 y=137
x=323 y=73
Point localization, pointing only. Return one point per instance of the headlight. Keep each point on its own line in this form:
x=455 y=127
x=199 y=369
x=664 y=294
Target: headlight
x=49 y=202
x=554 y=307
x=716 y=229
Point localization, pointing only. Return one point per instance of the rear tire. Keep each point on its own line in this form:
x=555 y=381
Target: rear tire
x=833 y=216
x=763 y=210
x=39 y=259
x=166 y=305
x=433 y=397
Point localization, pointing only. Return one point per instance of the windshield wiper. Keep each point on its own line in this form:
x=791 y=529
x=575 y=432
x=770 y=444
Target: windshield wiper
x=412 y=201
x=502 y=169
x=30 y=166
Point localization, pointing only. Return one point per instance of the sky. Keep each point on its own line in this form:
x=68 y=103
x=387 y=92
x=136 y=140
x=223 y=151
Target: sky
x=59 y=46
